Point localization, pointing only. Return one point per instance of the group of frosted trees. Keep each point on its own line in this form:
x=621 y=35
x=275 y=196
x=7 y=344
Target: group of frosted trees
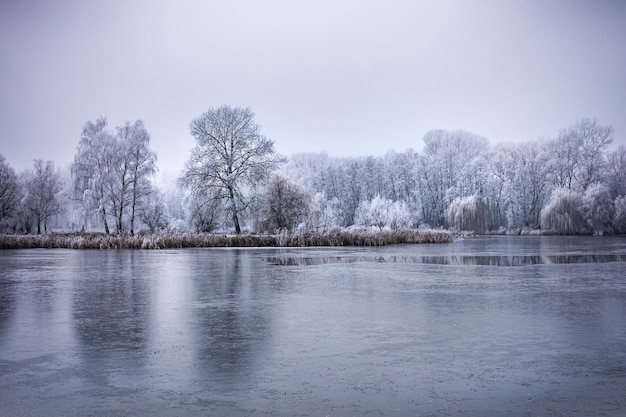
x=109 y=185
x=111 y=175
x=572 y=184
x=28 y=201
x=234 y=181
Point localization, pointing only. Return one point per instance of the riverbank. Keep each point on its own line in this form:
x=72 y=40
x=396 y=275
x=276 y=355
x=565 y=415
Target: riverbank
x=208 y=240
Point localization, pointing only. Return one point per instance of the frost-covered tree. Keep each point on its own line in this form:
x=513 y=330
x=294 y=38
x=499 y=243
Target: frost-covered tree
x=578 y=154
x=563 y=161
x=10 y=192
x=598 y=208
x=112 y=171
x=445 y=155
x=593 y=140
x=399 y=175
x=400 y=216
x=496 y=185
x=284 y=204
x=526 y=185
x=616 y=171
x=325 y=214
x=92 y=170
x=381 y=212
x=42 y=193
x=373 y=213
x=469 y=213
x=562 y=213
x=619 y=217
x=231 y=158
x=137 y=165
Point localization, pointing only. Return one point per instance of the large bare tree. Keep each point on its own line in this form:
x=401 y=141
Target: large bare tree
x=231 y=158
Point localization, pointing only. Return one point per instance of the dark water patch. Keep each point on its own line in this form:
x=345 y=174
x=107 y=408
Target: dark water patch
x=488 y=260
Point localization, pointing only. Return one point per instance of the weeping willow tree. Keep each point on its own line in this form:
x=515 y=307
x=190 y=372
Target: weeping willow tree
x=562 y=213
x=469 y=214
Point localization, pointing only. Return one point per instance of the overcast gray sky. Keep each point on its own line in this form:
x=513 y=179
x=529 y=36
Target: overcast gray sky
x=347 y=77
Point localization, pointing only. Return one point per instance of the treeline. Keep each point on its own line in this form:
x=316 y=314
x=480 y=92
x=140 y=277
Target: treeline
x=571 y=184
x=234 y=181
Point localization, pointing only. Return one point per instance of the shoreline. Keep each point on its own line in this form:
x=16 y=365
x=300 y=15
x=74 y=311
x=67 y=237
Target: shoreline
x=82 y=240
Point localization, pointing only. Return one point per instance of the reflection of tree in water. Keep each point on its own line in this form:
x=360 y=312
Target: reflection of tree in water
x=7 y=300
x=111 y=309
x=34 y=278
x=234 y=322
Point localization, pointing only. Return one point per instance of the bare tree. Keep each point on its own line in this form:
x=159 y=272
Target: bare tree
x=10 y=191
x=204 y=212
x=42 y=193
x=231 y=158
x=153 y=213
x=285 y=204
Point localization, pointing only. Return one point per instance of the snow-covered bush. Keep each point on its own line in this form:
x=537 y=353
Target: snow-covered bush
x=469 y=213
x=373 y=213
x=562 y=213
x=381 y=212
x=400 y=216
x=597 y=208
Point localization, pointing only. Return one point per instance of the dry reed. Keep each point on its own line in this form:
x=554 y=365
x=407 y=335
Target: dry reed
x=206 y=240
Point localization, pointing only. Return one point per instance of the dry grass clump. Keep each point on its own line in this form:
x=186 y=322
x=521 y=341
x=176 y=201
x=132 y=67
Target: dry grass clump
x=206 y=240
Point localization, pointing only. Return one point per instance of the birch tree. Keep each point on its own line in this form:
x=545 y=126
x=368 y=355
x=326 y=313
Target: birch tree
x=111 y=171
x=231 y=158
x=138 y=165
x=91 y=169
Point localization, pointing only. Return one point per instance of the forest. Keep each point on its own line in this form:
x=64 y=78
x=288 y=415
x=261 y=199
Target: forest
x=234 y=182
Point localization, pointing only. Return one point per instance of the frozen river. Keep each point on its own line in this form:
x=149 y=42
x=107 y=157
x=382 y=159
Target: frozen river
x=489 y=326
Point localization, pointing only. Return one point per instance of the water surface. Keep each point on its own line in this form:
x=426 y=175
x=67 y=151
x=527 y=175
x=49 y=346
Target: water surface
x=488 y=326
